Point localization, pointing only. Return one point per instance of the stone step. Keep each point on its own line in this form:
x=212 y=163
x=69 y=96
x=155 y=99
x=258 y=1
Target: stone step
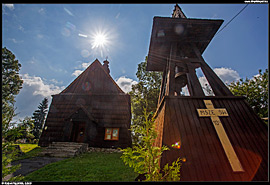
x=70 y=143
x=65 y=149
x=59 y=154
x=61 y=149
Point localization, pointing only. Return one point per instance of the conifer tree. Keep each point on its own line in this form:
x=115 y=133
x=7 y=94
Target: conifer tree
x=39 y=118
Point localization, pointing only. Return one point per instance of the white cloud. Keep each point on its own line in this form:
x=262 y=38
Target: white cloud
x=37 y=86
x=76 y=73
x=125 y=83
x=82 y=66
x=85 y=65
x=56 y=81
x=33 y=91
x=227 y=75
x=10 y=6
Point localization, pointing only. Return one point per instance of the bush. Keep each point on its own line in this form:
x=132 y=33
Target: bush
x=9 y=153
x=144 y=157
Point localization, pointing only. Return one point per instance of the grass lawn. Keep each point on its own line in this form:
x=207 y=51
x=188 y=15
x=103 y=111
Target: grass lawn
x=27 y=147
x=94 y=166
x=29 y=150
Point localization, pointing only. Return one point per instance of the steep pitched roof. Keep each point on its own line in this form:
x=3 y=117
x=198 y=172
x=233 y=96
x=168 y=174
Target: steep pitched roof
x=94 y=80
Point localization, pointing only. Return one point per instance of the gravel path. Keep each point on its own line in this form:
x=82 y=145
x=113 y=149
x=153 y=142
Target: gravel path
x=30 y=165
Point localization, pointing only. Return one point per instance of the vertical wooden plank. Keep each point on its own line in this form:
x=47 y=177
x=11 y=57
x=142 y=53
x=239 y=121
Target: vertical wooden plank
x=193 y=81
x=191 y=173
x=162 y=90
x=201 y=141
x=250 y=128
x=171 y=79
x=235 y=127
x=195 y=157
x=232 y=133
x=209 y=144
x=253 y=133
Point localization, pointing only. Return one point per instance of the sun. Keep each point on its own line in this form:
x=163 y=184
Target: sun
x=99 y=40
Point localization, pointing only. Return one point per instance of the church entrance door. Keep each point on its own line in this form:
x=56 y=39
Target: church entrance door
x=78 y=131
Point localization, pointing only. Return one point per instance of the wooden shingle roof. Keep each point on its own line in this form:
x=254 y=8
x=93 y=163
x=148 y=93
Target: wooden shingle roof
x=94 y=80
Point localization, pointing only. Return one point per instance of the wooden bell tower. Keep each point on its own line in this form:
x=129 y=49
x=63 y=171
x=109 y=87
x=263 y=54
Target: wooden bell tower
x=221 y=137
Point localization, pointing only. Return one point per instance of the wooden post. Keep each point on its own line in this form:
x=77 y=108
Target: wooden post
x=194 y=86
x=215 y=82
x=162 y=90
x=170 y=86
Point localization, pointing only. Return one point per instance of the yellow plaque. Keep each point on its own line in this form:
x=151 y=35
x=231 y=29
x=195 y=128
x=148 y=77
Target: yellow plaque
x=212 y=112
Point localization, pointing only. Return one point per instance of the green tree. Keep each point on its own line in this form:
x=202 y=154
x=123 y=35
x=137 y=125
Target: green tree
x=11 y=85
x=255 y=90
x=144 y=94
x=9 y=152
x=144 y=157
x=39 y=117
x=21 y=131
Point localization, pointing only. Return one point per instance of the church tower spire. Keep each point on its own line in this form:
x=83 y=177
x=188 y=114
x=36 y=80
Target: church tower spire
x=178 y=13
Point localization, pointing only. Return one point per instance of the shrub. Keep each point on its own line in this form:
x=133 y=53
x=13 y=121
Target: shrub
x=144 y=158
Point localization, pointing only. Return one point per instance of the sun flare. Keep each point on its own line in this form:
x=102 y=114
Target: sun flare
x=99 y=40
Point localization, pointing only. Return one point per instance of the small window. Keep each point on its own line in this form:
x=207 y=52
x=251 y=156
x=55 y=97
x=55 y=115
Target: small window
x=111 y=133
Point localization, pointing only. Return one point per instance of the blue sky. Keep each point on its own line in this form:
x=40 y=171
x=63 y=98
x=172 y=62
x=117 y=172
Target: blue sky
x=54 y=42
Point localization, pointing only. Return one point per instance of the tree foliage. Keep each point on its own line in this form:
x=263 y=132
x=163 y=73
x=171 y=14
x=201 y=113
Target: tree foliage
x=39 y=118
x=9 y=152
x=21 y=131
x=144 y=156
x=11 y=85
x=255 y=90
x=144 y=94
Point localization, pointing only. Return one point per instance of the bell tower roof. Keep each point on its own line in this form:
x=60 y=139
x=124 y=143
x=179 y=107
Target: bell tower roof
x=178 y=13
x=181 y=31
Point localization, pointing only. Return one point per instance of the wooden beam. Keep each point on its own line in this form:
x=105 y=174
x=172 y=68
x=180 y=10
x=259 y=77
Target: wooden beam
x=162 y=90
x=194 y=86
x=217 y=85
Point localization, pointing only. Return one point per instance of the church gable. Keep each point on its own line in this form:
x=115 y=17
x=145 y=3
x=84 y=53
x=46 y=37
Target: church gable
x=94 y=80
x=92 y=109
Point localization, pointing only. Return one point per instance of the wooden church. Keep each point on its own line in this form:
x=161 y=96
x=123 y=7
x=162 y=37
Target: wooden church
x=220 y=136
x=92 y=109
